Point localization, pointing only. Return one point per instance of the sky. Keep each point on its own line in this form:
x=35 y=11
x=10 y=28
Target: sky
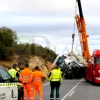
x=50 y=23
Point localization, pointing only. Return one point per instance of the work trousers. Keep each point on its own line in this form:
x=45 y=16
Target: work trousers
x=52 y=93
x=37 y=88
x=27 y=90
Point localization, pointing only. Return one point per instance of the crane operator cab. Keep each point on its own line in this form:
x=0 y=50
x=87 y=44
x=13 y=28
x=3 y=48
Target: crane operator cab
x=9 y=89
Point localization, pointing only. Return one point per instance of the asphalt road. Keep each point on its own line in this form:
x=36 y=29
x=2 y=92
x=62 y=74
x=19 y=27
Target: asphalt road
x=74 y=90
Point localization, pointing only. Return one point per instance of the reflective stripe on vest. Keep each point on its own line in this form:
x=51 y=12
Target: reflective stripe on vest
x=25 y=78
x=55 y=75
x=37 y=79
x=18 y=71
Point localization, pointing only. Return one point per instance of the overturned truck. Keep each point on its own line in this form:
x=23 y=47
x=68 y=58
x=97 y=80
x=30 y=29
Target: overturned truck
x=72 y=65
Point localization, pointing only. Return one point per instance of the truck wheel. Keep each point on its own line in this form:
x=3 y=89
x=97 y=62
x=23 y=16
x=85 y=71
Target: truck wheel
x=86 y=80
x=93 y=81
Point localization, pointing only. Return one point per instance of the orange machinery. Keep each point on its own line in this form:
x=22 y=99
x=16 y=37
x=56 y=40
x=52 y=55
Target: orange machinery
x=93 y=68
x=81 y=26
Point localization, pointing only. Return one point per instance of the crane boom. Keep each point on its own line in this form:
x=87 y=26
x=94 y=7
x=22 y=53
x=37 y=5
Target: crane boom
x=81 y=26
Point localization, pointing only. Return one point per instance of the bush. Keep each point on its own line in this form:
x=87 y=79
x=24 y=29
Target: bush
x=7 y=39
x=9 y=47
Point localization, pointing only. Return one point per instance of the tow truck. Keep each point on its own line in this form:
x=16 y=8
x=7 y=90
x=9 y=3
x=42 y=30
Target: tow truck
x=9 y=89
x=92 y=68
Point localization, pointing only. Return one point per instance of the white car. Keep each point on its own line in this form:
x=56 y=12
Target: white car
x=9 y=90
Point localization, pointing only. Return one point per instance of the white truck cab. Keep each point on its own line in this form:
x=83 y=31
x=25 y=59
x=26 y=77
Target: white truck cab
x=61 y=59
x=64 y=62
x=9 y=89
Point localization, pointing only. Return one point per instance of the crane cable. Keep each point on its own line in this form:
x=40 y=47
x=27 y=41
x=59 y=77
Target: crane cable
x=73 y=35
x=75 y=15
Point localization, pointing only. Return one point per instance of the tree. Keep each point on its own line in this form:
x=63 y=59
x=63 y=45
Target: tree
x=7 y=39
x=32 y=47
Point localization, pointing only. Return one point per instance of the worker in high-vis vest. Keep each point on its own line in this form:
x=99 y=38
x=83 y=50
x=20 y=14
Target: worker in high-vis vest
x=12 y=71
x=55 y=82
x=37 y=82
x=26 y=79
x=19 y=68
x=60 y=68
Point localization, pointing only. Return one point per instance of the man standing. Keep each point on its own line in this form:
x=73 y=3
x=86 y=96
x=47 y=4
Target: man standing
x=12 y=71
x=26 y=79
x=55 y=81
x=37 y=83
x=19 y=68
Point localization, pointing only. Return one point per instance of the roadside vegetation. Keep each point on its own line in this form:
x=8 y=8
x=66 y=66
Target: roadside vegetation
x=9 y=48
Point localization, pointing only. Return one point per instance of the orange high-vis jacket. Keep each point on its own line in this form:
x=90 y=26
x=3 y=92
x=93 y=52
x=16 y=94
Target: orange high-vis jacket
x=26 y=75
x=37 y=76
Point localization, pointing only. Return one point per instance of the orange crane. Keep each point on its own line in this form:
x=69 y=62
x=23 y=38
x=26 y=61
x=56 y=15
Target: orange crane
x=81 y=26
x=92 y=70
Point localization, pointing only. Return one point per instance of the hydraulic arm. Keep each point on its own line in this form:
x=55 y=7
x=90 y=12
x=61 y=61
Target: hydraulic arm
x=81 y=26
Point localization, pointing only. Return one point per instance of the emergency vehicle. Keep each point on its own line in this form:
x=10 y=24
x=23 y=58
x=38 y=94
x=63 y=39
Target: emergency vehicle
x=9 y=89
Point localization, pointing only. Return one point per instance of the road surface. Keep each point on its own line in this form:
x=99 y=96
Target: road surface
x=74 y=90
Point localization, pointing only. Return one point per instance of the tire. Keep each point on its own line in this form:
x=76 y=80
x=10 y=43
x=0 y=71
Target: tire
x=93 y=81
x=86 y=80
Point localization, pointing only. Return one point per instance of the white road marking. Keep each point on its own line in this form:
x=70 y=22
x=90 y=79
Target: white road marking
x=71 y=90
x=81 y=80
x=45 y=84
x=71 y=93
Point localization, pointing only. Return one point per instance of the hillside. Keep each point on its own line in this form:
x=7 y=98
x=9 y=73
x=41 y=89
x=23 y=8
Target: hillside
x=38 y=61
x=11 y=52
x=33 y=61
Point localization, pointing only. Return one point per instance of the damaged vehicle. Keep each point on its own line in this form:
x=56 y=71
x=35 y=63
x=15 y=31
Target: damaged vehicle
x=71 y=68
